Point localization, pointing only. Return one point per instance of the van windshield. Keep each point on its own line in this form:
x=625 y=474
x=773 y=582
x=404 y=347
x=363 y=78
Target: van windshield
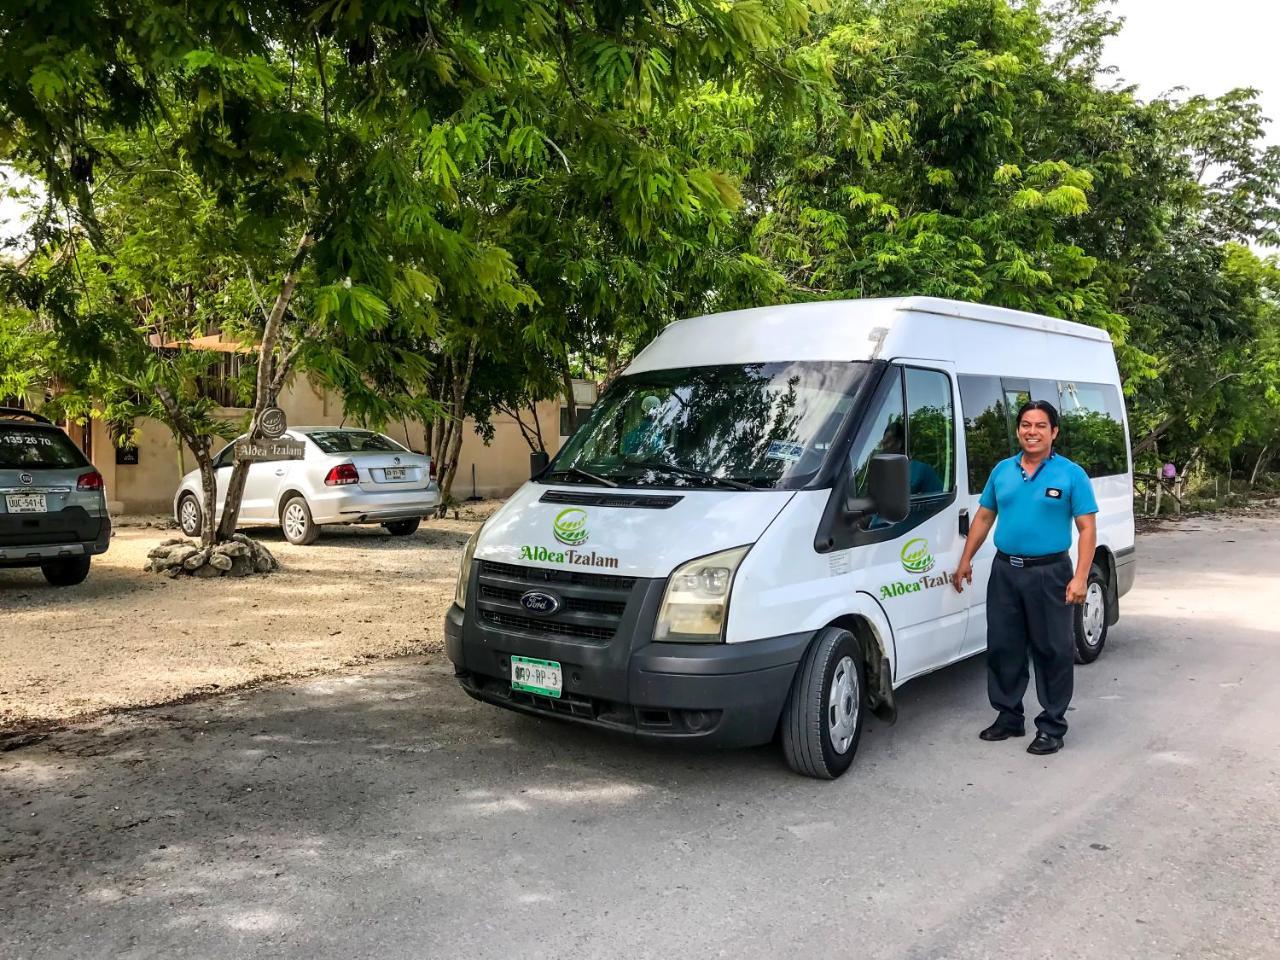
x=756 y=426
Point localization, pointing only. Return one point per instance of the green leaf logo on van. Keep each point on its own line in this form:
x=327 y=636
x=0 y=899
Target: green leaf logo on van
x=916 y=557
x=570 y=527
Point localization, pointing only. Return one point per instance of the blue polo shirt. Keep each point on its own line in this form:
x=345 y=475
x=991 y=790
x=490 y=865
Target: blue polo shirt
x=1034 y=512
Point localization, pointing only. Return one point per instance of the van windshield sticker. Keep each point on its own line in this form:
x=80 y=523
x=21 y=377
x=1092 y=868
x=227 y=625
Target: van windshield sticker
x=784 y=450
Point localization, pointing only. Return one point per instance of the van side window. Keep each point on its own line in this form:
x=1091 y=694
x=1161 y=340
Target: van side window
x=986 y=427
x=931 y=431
x=887 y=433
x=1092 y=427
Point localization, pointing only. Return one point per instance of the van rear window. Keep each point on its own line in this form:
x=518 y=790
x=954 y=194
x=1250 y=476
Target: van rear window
x=28 y=448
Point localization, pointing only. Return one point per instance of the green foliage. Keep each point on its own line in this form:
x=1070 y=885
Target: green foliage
x=477 y=203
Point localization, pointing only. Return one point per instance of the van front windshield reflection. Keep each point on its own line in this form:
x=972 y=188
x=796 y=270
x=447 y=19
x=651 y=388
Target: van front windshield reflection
x=742 y=426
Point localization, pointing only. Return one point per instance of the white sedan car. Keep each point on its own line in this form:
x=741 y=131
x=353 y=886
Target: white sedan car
x=348 y=476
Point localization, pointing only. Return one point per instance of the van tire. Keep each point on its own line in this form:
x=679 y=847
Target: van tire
x=66 y=572
x=1091 y=617
x=296 y=522
x=832 y=661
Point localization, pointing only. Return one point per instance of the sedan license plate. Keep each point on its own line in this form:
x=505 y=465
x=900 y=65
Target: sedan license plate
x=542 y=677
x=393 y=473
x=26 y=503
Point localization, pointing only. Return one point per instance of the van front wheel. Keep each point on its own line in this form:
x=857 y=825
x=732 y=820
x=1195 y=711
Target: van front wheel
x=822 y=720
x=1091 y=618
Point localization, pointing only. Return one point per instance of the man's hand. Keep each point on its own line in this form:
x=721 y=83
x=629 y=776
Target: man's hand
x=964 y=573
x=1076 y=589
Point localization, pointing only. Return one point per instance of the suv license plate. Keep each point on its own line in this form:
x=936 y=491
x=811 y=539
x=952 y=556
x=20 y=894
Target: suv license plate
x=542 y=677
x=26 y=503
x=393 y=473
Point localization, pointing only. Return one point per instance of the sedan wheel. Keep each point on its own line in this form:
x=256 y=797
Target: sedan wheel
x=295 y=520
x=189 y=516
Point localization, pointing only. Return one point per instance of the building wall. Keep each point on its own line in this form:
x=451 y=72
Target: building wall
x=149 y=485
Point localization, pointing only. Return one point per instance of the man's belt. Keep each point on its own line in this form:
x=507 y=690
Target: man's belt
x=1032 y=561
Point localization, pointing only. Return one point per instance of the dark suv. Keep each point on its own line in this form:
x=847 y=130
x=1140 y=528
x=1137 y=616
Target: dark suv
x=53 y=509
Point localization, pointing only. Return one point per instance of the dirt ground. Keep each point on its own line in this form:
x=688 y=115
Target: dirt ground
x=128 y=638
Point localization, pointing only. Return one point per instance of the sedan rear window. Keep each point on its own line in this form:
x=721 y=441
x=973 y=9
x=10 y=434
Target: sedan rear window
x=353 y=441
x=25 y=448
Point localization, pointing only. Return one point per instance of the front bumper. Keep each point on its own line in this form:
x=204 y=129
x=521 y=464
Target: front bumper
x=725 y=695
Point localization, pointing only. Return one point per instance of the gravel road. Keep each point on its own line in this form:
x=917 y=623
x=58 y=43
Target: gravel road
x=377 y=812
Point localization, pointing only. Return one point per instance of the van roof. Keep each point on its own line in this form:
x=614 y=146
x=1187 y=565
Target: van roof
x=854 y=330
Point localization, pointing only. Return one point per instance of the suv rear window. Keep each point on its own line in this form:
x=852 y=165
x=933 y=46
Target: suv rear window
x=353 y=441
x=36 y=448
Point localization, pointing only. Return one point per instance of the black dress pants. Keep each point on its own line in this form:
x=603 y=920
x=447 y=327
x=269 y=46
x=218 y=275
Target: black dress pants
x=1027 y=614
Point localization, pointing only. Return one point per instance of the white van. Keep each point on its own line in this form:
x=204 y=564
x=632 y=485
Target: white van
x=753 y=533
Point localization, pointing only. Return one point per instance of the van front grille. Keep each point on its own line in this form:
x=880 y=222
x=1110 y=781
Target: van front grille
x=546 y=628
x=591 y=605
x=613 y=608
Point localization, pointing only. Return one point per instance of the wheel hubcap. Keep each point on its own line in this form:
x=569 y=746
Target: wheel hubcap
x=1095 y=609
x=295 y=521
x=189 y=520
x=842 y=705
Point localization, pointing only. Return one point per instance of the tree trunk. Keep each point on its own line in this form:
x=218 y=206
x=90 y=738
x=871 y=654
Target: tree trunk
x=209 y=504
x=1257 y=466
x=451 y=442
x=270 y=377
x=567 y=378
x=186 y=433
x=1151 y=439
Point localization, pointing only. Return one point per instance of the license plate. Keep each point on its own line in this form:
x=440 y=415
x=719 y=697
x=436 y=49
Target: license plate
x=26 y=503
x=393 y=473
x=542 y=677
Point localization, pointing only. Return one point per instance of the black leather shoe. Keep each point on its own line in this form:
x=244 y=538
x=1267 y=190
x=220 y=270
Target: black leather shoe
x=1044 y=744
x=998 y=731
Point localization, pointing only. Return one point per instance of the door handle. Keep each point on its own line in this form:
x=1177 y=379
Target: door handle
x=964 y=523
x=280 y=473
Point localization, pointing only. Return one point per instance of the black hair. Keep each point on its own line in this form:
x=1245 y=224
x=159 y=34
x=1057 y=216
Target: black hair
x=1049 y=409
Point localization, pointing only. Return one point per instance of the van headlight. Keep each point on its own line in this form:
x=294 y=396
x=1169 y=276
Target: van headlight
x=696 y=603
x=464 y=572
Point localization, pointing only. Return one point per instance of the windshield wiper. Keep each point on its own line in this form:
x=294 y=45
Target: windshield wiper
x=579 y=472
x=689 y=472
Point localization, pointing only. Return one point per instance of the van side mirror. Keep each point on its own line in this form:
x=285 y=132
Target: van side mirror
x=538 y=461
x=888 y=489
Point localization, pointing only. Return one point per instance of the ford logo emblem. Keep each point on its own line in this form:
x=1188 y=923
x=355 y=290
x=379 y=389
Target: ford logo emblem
x=543 y=604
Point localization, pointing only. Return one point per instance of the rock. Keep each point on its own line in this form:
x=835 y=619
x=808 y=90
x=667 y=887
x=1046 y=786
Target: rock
x=262 y=565
x=240 y=567
x=182 y=554
x=233 y=549
x=173 y=573
x=197 y=559
x=205 y=571
x=173 y=542
x=220 y=561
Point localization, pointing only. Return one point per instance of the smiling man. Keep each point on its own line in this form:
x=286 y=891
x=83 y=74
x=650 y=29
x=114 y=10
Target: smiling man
x=1032 y=499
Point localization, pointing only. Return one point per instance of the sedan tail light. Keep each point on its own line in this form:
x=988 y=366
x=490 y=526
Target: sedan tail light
x=431 y=468
x=89 y=481
x=341 y=475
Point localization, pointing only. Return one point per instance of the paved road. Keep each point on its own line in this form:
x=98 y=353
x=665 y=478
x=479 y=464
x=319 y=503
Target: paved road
x=382 y=814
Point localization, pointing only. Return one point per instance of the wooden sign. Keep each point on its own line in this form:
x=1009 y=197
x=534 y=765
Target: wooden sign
x=258 y=451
